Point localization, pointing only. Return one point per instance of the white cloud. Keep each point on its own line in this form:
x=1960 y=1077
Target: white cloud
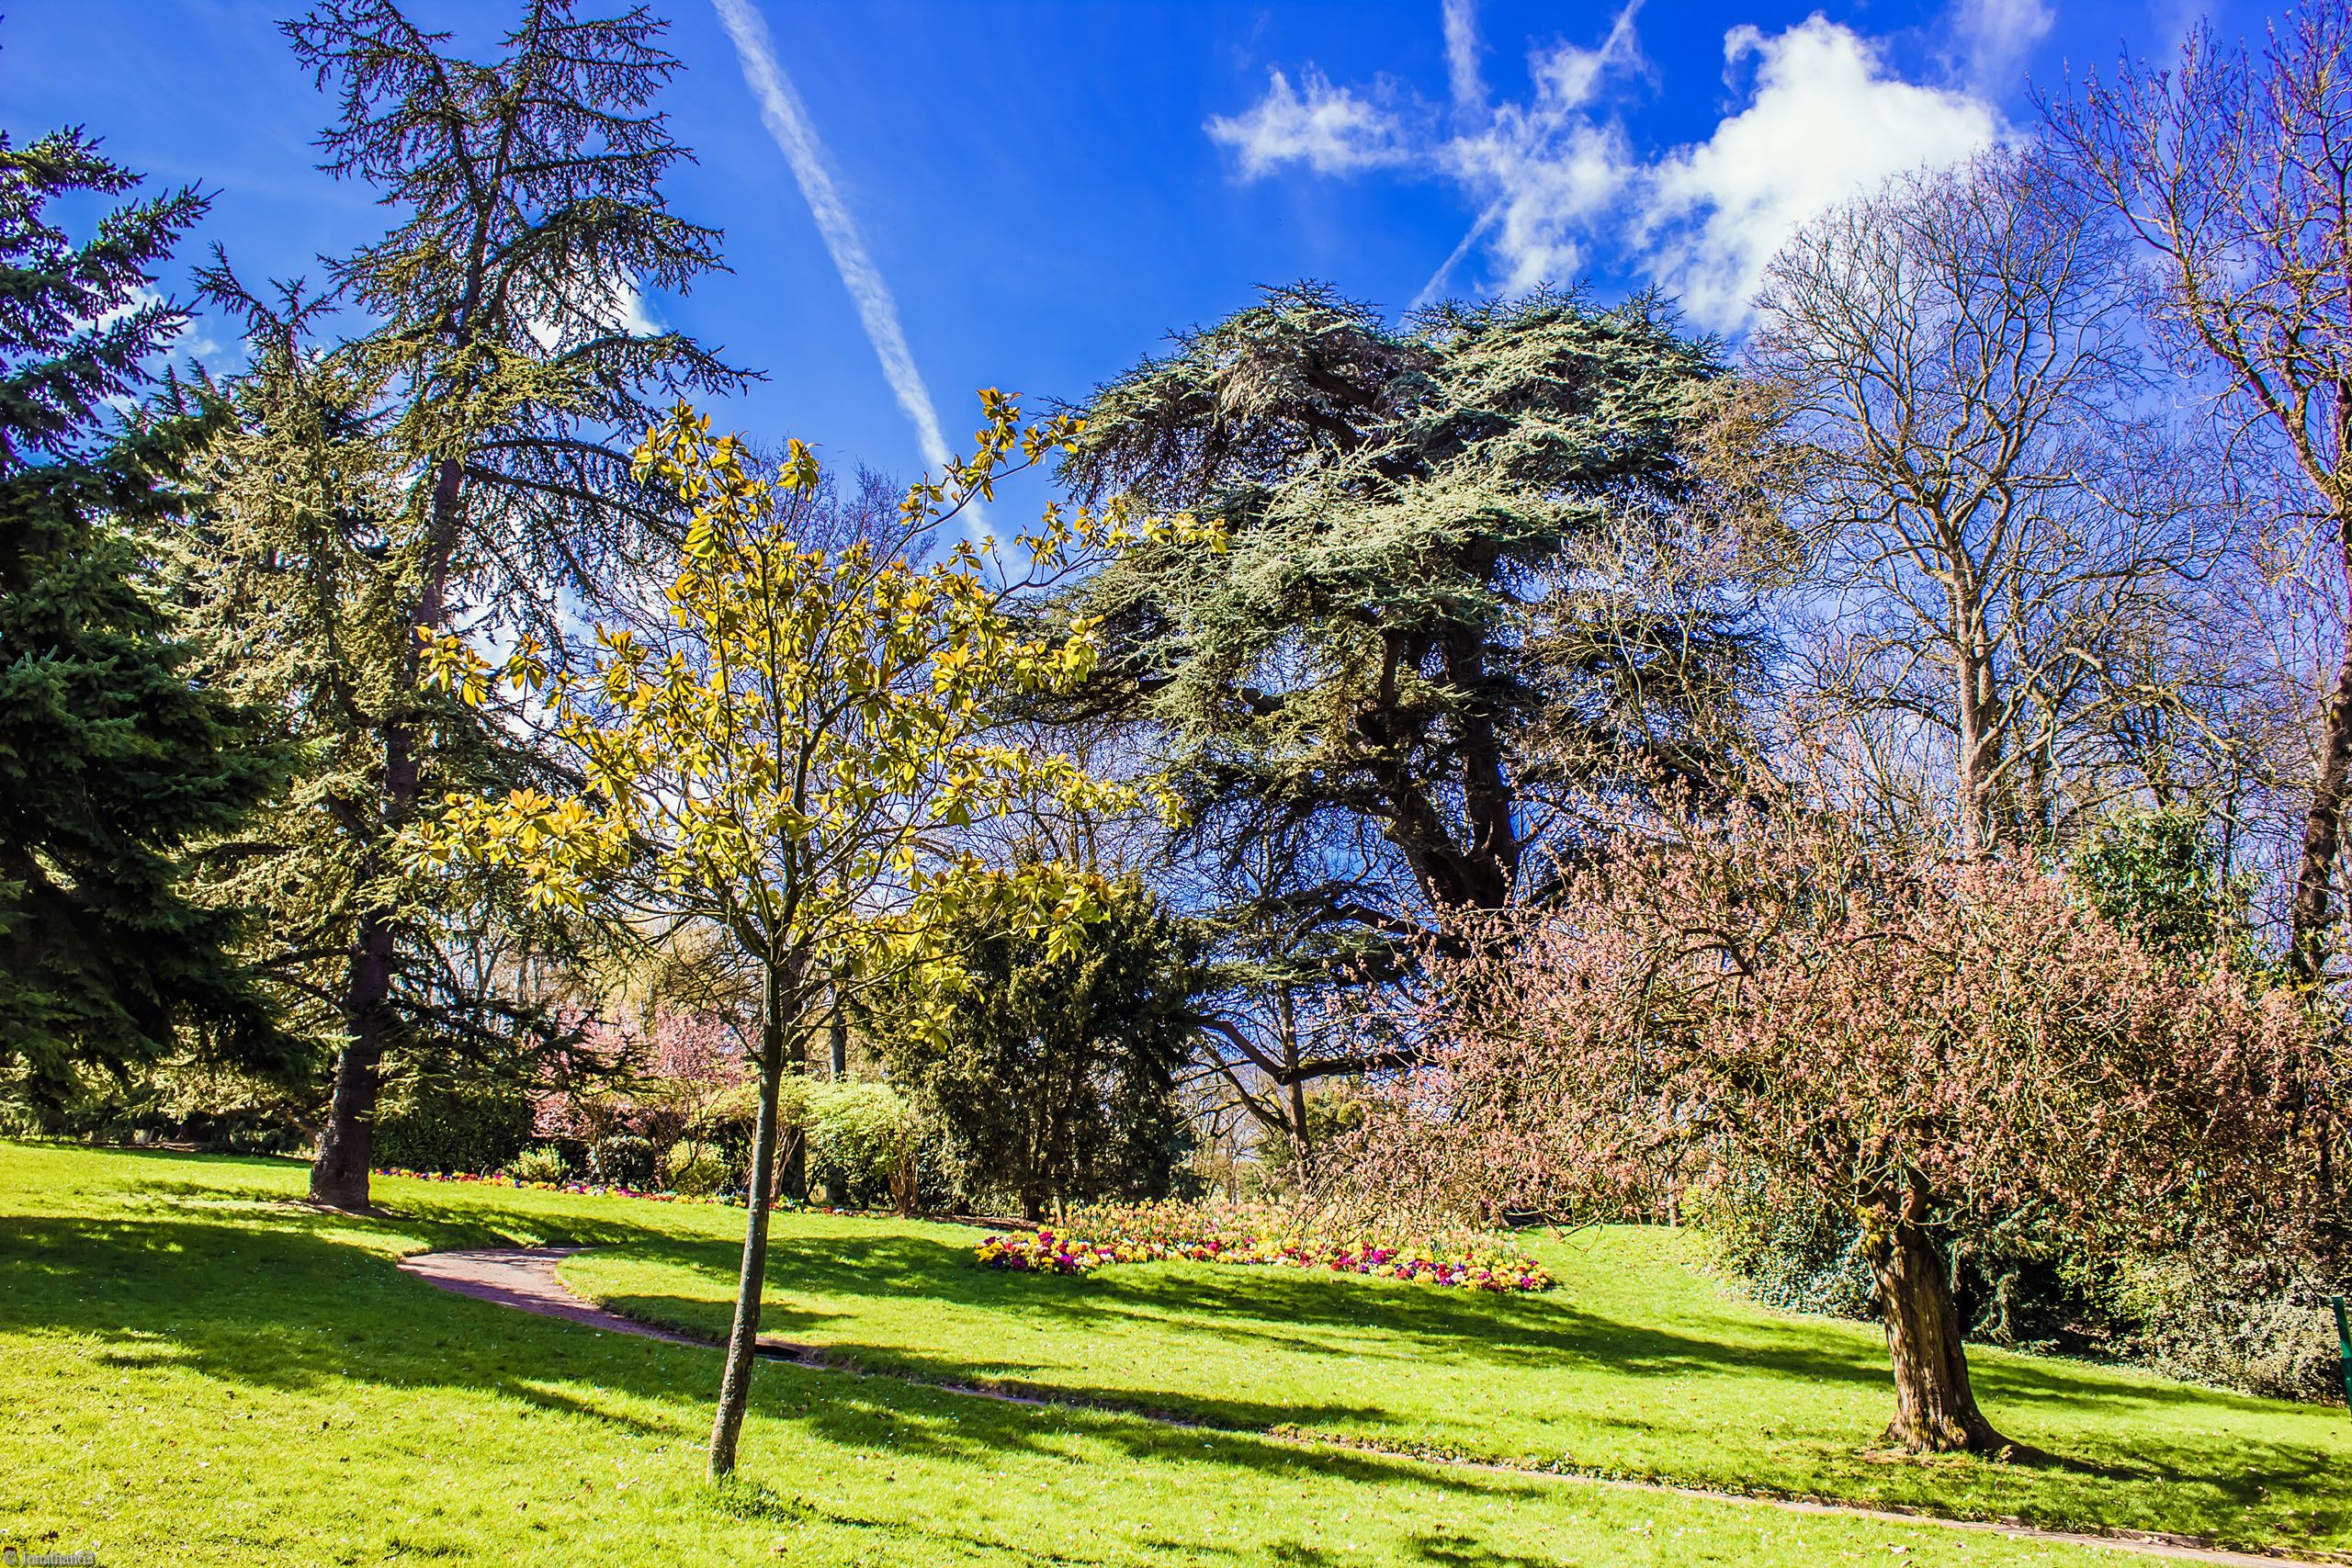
x=636 y=317
x=1547 y=171
x=1460 y=19
x=787 y=121
x=1994 y=37
x=619 y=305
x=1556 y=177
x=1328 y=128
x=1824 y=120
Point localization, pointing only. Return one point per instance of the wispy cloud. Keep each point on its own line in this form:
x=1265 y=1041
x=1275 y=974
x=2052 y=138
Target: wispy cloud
x=787 y=119
x=1556 y=177
x=1330 y=129
x=1993 y=39
x=1461 y=22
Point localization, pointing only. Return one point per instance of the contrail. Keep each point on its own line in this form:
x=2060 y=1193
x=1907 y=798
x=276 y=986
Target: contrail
x=1446 y=269
x=787 y=121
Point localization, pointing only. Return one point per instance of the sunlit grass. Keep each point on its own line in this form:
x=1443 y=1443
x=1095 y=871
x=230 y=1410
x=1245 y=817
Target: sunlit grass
x=201 y=1369
x=1639 y=1365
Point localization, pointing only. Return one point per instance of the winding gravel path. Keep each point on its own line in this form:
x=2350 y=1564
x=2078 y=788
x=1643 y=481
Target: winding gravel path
x=525 y=1278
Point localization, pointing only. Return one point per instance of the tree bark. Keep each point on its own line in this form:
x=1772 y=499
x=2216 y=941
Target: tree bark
x=339 y=1174
x=347 y=1142
x=2313 y=911
x=1935 y=1408
x=742 y=1338
x=1977 y=759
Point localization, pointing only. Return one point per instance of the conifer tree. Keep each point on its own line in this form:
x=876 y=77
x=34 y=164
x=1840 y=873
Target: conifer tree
x=460 y=464
x=112 y=764
x=1471 y=571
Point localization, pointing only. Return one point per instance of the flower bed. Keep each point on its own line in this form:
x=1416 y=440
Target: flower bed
x=1099 y=1235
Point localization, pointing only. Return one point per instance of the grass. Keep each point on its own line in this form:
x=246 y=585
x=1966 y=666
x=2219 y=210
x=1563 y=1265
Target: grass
x=1639 y=1365
x=198 y=1368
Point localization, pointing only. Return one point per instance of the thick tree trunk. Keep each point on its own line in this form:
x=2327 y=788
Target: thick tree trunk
x=742 y=1338
x=1935 y=1409
x=347 y=1142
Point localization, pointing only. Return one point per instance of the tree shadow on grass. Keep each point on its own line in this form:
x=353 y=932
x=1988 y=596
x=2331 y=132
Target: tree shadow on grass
x=272 y=1306
x=1279 y=1309
x=286 y=1299
x=2124 y=1477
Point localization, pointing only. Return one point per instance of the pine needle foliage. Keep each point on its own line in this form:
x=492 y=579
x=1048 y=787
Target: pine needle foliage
x=1473 y=573
x=439 y=440
x=113 y=766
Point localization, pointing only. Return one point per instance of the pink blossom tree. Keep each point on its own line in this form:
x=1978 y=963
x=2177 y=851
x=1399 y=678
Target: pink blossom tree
x=665 y=1079
x=1929 y=1047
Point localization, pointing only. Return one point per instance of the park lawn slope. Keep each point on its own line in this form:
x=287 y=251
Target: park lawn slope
x=200 y=1368
x=1639 y=1365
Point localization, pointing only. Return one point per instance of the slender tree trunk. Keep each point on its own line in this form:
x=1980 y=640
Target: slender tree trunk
x=1935 y=1408
x=2313 y=911
x=792 y=1181
x=1978 y=829
x=742 y=1338
x=1302 y=1153
x=1301 y=1148
x=347 y=1147
x=2312 y=915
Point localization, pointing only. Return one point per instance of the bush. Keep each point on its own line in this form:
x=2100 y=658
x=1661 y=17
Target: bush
x=1798 y=1257
x=2262 y=1326
x=864 y=1141
x=1050 y=1062
x=449 y=1128
x=622 y=1160
x=542 y=1163
x=695 y=1170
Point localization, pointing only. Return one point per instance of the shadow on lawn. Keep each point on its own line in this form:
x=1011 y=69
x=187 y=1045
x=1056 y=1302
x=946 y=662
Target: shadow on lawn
x=1290 y=1310
x=236 y=1283
x=2126 y=1477
x=261 y=1299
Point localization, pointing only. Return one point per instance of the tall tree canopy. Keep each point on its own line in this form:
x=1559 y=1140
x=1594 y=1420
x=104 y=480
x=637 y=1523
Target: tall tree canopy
x=2006 y=535
x=112 y=765
x=2234 y=169
x=462 y=462
x=1467 y=574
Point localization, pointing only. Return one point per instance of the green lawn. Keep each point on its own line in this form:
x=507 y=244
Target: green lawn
x=1639 y=1365
x=197 y=1368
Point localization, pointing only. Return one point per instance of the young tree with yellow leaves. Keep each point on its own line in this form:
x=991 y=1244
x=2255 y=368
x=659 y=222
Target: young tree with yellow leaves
x=789 y=752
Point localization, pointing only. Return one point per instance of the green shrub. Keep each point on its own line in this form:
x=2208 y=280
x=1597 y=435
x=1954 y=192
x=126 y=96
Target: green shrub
x=865 y=1142
x=447 y=1127
x=1796 y=1257
x=622 y=1160
x=2260 y=1325
x=542 y=1163
x=698 y=1171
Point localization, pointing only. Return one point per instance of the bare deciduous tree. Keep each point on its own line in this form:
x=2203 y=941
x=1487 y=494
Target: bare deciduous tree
x=1991 y=514
x=2236 y=169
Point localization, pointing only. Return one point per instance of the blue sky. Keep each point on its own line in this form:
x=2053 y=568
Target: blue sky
x=1043 y=190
